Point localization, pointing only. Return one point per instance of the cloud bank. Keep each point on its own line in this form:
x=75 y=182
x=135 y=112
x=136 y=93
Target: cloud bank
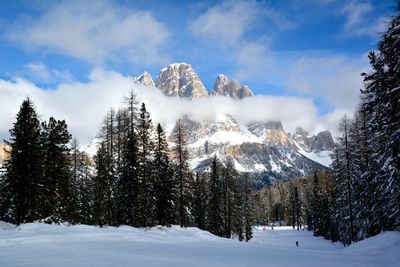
x=84 y=105
x=93 y=31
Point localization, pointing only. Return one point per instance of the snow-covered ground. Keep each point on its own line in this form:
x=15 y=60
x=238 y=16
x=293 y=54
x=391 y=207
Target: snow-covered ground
x=51 y=245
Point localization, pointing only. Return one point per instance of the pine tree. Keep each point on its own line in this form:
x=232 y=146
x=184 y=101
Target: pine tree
x=100 y=187
x=24 y=171
x=317 y=207
x=238 y=215
x=297 y=208
x=183 y=175
x=381 y=101
x=200 y=201
x=146 y=208
x=80 y=169
x=127 y=184
x=59 y=198
x=248 y=206
x=214 y=214
x=165 y=185
x=230 y=192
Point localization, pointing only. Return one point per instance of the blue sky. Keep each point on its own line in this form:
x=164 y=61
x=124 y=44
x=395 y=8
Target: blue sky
x=312 y=49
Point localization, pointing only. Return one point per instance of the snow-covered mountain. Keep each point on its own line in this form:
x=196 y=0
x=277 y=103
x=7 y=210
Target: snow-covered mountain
x=181 y=80
x=3 y=153
x=317 y=147
x=263 y=148
x=145 y=79
x=225 y=87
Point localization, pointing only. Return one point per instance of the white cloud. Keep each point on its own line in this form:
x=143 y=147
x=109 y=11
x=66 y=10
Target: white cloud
x=254 y=60
x=229 y=25
x=228 y=22
x=83 y=105
x=93 y=31
x=38 y=72
x=357 y=21
x=335 y=78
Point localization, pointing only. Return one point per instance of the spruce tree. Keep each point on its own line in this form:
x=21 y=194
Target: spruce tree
x=59 y=200
x=80 y=169
x=215 y=209
x=200 y=201
x=165 y=187
x=127 y=184
x=248 y=208
x=183 y=175
x=230 y=192
x=317 y=207
x=100 y=187
x=146 y=207
x=23 y=180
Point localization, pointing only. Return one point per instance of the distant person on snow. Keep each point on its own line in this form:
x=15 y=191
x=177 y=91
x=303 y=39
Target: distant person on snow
x=297 y=243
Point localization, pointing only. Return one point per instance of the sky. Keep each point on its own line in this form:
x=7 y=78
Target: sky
x=76 y=59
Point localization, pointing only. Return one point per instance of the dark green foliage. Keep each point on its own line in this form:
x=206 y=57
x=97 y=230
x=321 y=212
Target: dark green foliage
x=59 y=197
x=23 y=182
x=248 y=208
x=100 y=188
x=146 y=208
x=183 y=176
x=215 y=208
x=165 y=187
x=200 y=202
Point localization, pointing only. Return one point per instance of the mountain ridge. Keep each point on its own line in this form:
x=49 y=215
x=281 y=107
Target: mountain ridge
x=261 y=148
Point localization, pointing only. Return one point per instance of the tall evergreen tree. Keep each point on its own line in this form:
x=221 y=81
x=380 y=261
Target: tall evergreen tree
x=146 y=197
x=215 y=209
x=248 y=208
x=317 y=207
x=183 y=175
x=230 y=192
x=381 y=101
x=23 y=180
x=100 y=187
x=127 y=185
x=59 y=198
x=81 y=175
x=165 y=187
x=200 y=201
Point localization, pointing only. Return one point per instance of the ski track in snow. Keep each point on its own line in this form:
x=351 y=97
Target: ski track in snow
x=51 y=245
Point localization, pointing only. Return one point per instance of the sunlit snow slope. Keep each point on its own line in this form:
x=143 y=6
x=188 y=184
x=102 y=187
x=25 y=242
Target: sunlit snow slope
x=51 y=245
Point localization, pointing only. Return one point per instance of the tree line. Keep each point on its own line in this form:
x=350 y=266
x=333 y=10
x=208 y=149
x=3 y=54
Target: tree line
x=361 y=195
x=134 y=180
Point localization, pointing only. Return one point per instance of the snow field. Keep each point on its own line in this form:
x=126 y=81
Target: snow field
x=37 y=244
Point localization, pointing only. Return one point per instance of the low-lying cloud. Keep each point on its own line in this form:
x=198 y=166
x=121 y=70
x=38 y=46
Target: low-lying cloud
x=84 y=105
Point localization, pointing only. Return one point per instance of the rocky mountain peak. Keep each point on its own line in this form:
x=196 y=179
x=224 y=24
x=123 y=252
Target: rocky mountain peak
x=225 y=87
x=181 y=80
x=271 y=131
x=145 y=79
x=3 y=154
x=324 y=141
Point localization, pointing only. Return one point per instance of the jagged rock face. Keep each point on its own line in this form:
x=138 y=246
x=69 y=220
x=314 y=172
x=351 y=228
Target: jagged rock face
x=262 y=149
x=317 y=147
x=225 y=87
x=302 y=139
x=323 y=141
x=145 y=79
x=272 y=132
x=180 y=80
x=3 y=154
